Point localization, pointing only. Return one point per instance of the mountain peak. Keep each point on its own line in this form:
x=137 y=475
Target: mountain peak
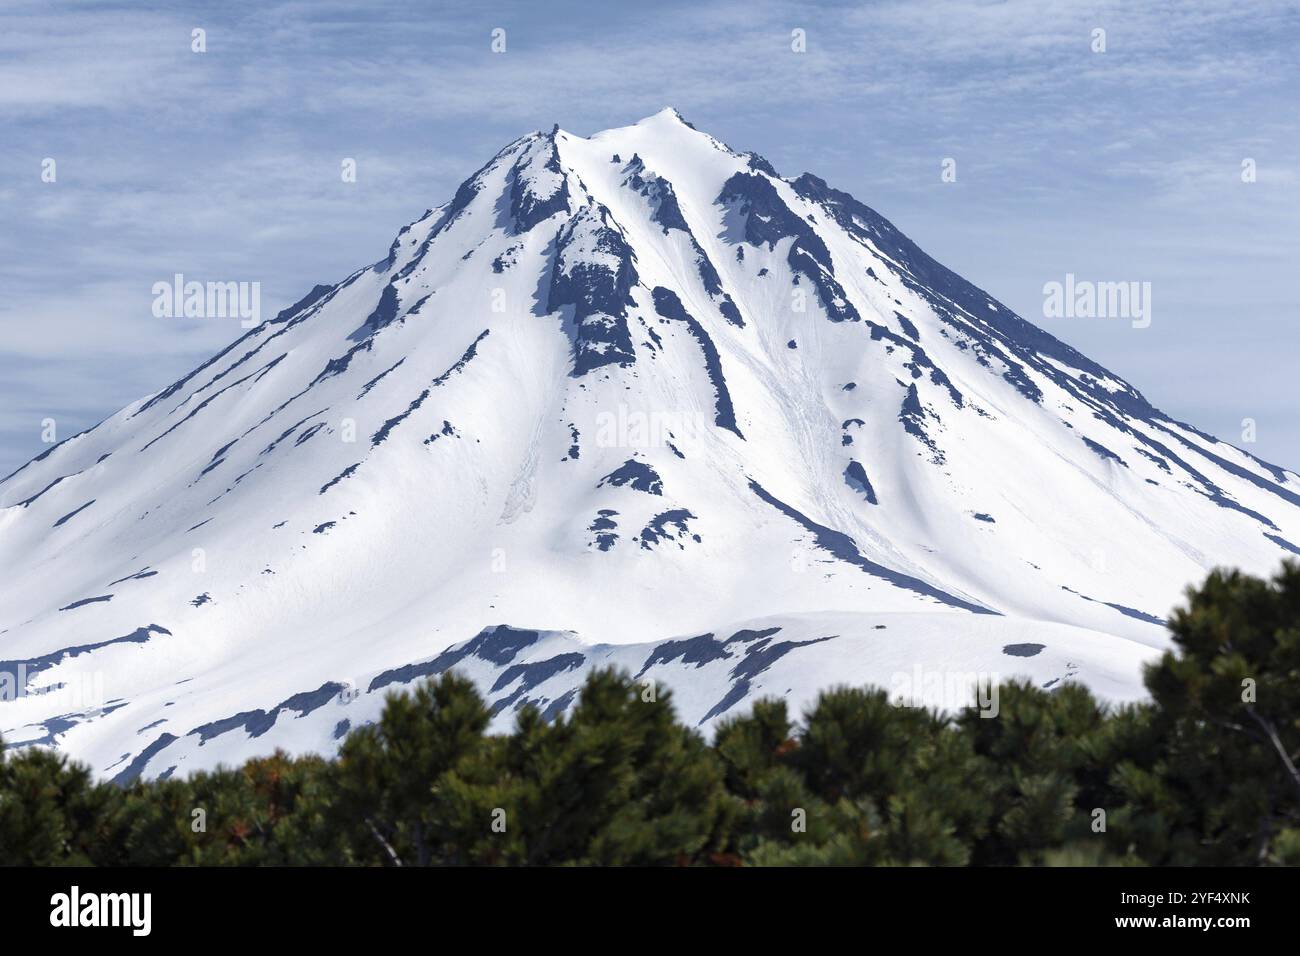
x=668 y=113
x=625 y=390
x=666 y=122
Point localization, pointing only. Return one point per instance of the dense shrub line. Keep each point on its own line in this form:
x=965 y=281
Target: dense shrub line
x=1202 y=774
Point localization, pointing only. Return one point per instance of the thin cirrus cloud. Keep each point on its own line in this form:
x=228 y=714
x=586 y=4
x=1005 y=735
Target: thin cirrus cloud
x=1123 y=165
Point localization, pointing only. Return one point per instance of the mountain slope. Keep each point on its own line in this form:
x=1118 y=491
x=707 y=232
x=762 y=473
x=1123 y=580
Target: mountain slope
x=620 y=390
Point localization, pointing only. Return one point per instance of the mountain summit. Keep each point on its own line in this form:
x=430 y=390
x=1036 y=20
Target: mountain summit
x=631 y=399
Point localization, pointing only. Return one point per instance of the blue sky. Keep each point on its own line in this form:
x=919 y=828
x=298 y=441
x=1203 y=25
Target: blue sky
x=1115 y=166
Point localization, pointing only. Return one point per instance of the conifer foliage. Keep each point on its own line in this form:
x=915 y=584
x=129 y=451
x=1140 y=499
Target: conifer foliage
x=1203 y=774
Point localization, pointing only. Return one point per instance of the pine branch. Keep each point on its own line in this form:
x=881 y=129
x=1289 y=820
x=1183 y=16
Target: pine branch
x=1271 y=733
x=388 y=848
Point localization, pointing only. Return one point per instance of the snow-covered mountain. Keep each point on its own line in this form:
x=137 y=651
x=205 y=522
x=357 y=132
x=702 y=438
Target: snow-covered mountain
x=627 y=399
